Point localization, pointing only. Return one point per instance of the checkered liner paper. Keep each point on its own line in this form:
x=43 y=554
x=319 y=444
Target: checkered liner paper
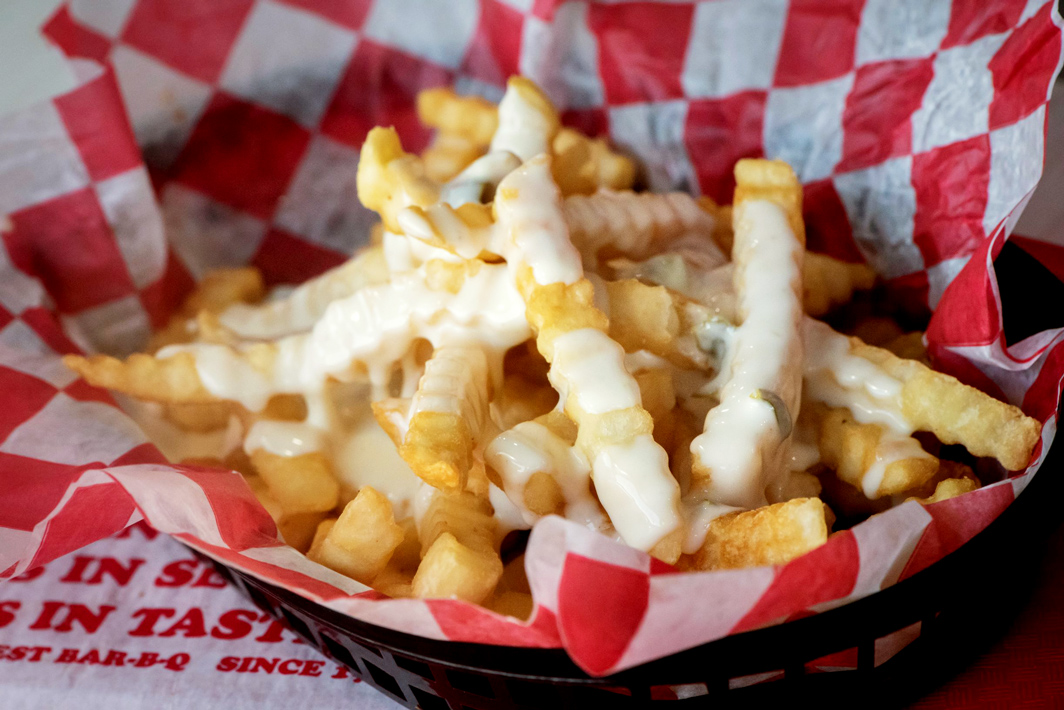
x=208 y=133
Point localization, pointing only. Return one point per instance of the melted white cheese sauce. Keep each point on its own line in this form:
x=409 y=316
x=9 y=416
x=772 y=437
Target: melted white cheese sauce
x=175 y=443
x=530 y=448
x=283 y=438
x=741 y=445
x=366 y=456
x=892 y=448
x=376 y=327
x=484 y=172
x=295 y=310
x=524 y=129
x=642 y=503
x=591 y=358
x=633 y=480
x=838 y=378
x=698 y=515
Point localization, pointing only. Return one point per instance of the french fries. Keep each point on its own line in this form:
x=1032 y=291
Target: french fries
x=828 y=282
x=361 y=541
x=390 y=179
x=770 y=535
x=869 y=456
x=743 y=444
x=526 y=336
x=448 y=415
x=909 y=396
x=615 y=432
x=632 y=224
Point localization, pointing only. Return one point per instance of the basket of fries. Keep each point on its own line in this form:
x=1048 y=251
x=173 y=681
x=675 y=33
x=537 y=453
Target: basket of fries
x=419 y=332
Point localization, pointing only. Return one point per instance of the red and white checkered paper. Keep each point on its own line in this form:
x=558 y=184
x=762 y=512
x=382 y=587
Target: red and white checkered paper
x=208 y=133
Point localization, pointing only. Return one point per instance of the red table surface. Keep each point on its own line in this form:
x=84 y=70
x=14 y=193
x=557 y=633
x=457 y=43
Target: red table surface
x=1024 y=668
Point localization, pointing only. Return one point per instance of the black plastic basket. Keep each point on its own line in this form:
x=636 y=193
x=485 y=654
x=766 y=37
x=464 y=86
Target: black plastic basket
x=961 y=603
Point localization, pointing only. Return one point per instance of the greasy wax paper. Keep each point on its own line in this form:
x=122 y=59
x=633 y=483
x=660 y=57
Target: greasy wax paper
x=210 y=134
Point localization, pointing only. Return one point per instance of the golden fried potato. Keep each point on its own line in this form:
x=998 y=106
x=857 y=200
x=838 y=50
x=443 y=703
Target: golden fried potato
x=516 y=604
x=469 y=117
x=735 y=465
x=829 y=283
x=770 y=535
x=200 y=417
x=296 y=529
x=301 y=484
x=391 y=414
x=215 y=292
x=448 y=155
x=299 y=310
x=909 y=346
x=583 y=165
x=467 y=126
x=867 y=456
x=362 y=540
x=543 y=495
x=528 y=120
x=390 y=179
x=171 y=379
x=451 y=569
x=949 y=488
x=450 y=410
x=661 y=321
x=772 y=180
x=956 y=413
x=457 y=535
x=631 y=224
x=565 y=313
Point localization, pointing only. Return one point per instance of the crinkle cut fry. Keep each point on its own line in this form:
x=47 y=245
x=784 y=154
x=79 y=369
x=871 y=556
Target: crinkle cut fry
x=957 y=413
x=301 y=308
x=463 y=230
x=449 y=411
x=766 y=367
x=459 y=557
x=583 y=165
x=390 y=179
x=528 y=120
x=857 y=451
x=456 y=533
x=774 y=181
x=172 y=379
x=361 y=541
x=632 y=224
x=561 y=311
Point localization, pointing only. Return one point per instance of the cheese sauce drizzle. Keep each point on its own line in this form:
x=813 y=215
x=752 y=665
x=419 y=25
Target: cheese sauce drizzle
x=633 y=480
x=529 y=448
x=838 y=378
x=742 y=445
x=298 y=310
x=376 y=327
x=485 y=172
